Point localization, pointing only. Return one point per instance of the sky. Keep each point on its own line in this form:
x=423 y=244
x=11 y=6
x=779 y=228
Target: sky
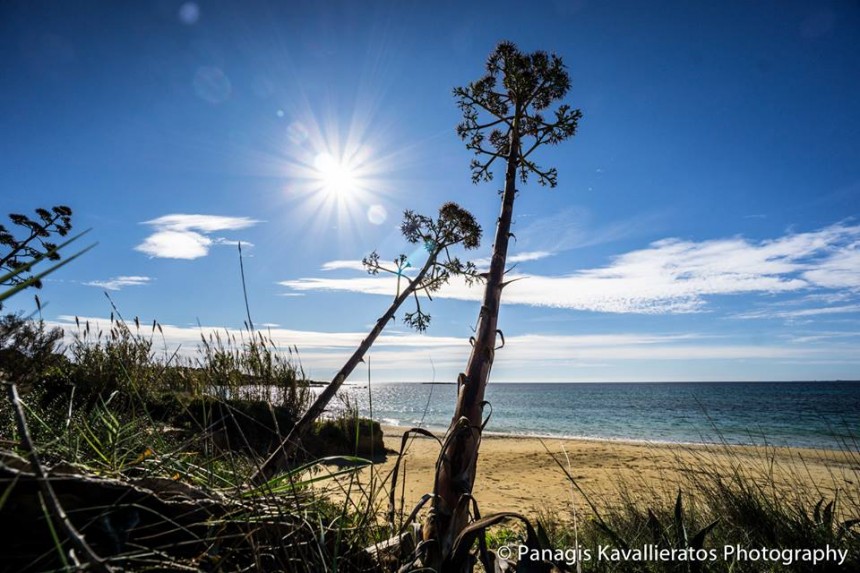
x=704 y=227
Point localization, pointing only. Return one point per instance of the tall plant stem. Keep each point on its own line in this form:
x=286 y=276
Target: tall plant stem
x=456 y=474
x=291 y=443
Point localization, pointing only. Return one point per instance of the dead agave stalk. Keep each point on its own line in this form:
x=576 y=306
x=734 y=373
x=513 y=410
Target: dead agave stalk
x=503 y=118
x=453 y=226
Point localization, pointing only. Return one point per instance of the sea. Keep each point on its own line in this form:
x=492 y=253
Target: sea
x=801 y=414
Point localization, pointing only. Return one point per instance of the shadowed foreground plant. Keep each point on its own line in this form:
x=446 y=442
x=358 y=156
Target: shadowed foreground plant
x=18 y=256
x=29 y=349
x=48 y=497
x=145 y=495
x=454 y=226
x=18 y=252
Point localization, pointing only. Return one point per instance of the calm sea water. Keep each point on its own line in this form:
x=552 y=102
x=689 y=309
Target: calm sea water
x=808 y=414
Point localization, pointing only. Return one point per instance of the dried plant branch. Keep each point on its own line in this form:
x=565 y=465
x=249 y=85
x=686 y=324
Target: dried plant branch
x=52 y=503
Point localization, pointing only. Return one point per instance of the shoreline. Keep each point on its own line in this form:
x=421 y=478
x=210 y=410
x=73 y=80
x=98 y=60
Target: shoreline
x=837 y=456
x=523 y=473
x=438 y=430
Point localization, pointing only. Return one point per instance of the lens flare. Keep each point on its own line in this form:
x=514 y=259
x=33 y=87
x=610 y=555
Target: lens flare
x=212 y=84
x=297 y=133
x=377 y=214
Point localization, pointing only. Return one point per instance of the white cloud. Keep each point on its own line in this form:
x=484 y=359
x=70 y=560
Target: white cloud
x=204 y=223
x=175 y=245
x=180 y=236
x=232 y=243
x=343 y=264
x=117 y=283
x=406 y=356
x=384 y=285
x=524 y=257
x=669 y=276
x=840 y=270
x=801 y=313
x=820 y=336
x=482 y=263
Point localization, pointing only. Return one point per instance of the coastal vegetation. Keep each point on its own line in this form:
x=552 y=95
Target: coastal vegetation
x=118 y=452
x=151 y=462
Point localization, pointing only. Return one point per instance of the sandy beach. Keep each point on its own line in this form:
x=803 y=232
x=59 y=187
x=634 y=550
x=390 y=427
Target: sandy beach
x=521 y=473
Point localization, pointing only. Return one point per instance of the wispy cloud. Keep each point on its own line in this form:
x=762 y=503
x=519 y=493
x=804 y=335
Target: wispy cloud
x=481 y=263
x=343 y=264
x=669 y=276
x=405 y=355
x=802 y=312
x=820 y=336
x=117 y=283
x=840 y=270
x=181 y=236
x=516 y=258
x=573 y=228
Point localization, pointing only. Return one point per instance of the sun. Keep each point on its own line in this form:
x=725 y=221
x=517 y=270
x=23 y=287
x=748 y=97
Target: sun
x=337 y=180
x=336 y=177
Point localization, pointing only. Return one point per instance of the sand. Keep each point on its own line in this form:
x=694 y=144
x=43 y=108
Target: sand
x=521 y=473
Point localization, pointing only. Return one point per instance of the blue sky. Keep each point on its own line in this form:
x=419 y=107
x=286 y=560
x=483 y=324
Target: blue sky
x=705 y=224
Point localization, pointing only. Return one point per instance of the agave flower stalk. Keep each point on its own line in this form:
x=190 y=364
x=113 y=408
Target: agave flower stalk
x=503 y=119
x=454 y=226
